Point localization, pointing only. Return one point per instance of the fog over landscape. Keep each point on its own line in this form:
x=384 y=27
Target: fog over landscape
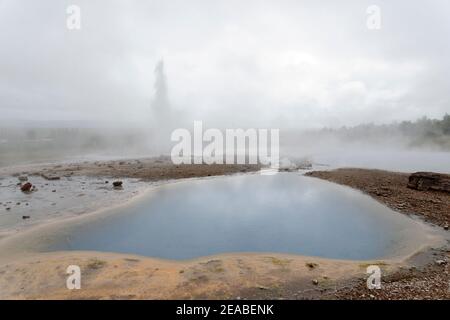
x=238 y=153
x=137 y=70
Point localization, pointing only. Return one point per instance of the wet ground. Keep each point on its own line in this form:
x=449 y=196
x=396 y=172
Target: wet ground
x=50 y=200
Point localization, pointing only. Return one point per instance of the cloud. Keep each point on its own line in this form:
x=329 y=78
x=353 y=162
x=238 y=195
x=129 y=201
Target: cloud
x=277 y=63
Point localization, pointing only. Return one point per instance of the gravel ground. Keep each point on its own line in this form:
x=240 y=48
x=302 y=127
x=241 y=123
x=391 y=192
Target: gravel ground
x=426 y=281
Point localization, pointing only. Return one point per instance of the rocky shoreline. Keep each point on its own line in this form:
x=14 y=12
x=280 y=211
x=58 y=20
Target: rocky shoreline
x=233 y=276
x=426 y=280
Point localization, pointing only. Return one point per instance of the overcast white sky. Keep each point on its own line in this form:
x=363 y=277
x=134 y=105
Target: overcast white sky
x=234 y=63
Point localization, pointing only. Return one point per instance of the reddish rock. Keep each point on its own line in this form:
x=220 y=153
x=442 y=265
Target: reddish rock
x=26 y=187
x=117 y=184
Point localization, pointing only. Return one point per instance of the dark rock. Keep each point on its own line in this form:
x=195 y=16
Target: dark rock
x=25 y=217
x=26 y=187
x=117 y=184
x=263 y=288
x=311 y=265
x=315 y=282
x=424 y=181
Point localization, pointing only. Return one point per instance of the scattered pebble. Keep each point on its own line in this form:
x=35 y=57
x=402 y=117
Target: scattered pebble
x=441 y=262
x=311 y=265
x=117 y=184
x=26 y=187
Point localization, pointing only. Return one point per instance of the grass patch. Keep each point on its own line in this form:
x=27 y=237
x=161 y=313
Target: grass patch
x=96 y=264
x=279 y=262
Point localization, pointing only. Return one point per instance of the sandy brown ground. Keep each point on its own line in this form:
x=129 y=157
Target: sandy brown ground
x=230 y=276
x=149 y=169
x=428 y=281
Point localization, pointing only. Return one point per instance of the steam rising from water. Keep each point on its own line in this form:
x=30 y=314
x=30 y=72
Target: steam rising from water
x=231 y=64
x=160 y=105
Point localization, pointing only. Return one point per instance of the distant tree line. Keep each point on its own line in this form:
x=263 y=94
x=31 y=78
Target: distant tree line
x=420 y=133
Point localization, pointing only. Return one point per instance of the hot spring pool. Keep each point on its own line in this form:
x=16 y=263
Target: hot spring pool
x=285 y=213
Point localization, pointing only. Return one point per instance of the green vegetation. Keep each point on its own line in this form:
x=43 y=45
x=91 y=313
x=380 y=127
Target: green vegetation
x=423 y=132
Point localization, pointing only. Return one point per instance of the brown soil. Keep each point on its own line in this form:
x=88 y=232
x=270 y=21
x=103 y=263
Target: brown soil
x=429 y=283
x=150 y=169
x=119 y=276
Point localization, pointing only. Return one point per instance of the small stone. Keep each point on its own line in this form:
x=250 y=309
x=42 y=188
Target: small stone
x=117 y=184
x=315 y=282
x=8 y=208
x=50 y=177
x=446 y=226
x=441 y=262
x=25 y=217
x=26 y=187
x=53 y=190
x=311 y=265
